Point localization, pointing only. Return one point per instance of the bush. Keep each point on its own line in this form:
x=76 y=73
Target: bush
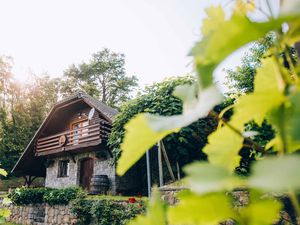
x=82 y=209
x=61 y=196
x=25 y=196
x=106 y=211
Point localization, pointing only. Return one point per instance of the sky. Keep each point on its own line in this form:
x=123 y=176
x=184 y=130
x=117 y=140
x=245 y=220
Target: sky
x=46 y=36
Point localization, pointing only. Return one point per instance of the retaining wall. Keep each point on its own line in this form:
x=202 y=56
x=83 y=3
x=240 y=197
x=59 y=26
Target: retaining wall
x=41 y=214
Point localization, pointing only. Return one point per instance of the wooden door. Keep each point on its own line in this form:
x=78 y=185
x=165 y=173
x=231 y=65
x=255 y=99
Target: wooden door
x=86 y=173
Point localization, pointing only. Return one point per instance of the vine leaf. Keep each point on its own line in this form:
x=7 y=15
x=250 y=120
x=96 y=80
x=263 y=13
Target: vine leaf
x=262 y=212
x=145 y=130
x=223 y=148
x=200 y=209
x=294 y=121
x=222 y=37
x=276 y=174
x=3 y=172
x=193 y=109
x=203 y=177
x=139 y=137
x=268 y=94
x=155 y=212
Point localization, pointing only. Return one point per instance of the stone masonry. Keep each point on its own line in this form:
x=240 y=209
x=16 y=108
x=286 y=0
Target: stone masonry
x=41 y=214
x=101 y=167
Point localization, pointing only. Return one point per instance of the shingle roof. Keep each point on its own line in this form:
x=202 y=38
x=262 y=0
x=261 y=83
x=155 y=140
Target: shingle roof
x=100 y=106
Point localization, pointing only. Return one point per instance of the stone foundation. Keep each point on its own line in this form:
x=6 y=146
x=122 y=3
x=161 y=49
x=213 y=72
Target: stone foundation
x=59 y=215
x=41 y=214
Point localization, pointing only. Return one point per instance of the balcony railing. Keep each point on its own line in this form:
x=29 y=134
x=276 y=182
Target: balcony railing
x=73 y=139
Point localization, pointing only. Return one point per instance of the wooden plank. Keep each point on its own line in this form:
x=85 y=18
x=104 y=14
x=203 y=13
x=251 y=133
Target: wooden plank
x=66 y=132
x=53 y=151
x=48 y=141
x=87 y=131
x=84 y=140
x=167 y=161
x=84 y=137
x=47 y=145
x=83 y=145
x=160 y=167
x=76 y=148
x=47 y=149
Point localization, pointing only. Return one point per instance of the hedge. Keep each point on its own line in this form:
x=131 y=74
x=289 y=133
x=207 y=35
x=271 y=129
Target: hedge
x=106 y=211
x=51 y=196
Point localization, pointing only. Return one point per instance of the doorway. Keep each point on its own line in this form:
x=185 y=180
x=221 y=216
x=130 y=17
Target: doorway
x=86 y=173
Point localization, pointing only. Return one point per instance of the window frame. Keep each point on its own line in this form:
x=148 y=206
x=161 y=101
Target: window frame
x=63 y=170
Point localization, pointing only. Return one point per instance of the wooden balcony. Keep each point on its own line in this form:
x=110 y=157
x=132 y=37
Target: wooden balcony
x=91 y=135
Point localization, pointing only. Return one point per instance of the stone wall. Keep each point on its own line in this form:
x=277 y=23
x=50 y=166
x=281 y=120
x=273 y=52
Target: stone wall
x=41 y=214
x=59 y=215
x=27 y=215
x=101 y=167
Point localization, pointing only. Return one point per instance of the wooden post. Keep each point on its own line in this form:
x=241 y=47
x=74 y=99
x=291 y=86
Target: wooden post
x=148 y=174
x=167 y=161
x=160 y=168
x=178 y=170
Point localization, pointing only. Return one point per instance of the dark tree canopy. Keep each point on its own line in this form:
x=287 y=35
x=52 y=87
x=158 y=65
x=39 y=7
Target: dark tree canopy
x=102 y=77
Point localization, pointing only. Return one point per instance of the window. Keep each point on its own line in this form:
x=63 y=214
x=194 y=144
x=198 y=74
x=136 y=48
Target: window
x=63 y=168
x=78 y=132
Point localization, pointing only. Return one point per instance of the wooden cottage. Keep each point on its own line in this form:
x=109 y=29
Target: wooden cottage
x=70 y=147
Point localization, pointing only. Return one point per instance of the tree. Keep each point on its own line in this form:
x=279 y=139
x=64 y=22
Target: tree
x=102 y=77
x=26 y=106
x=240 y=80
x=5 y=78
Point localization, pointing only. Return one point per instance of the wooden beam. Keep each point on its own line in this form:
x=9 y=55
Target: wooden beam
x=160 y=167
x=167 y=161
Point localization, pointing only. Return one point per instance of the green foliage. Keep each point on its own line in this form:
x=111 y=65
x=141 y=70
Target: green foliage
x=61 y=196
x=241 y=79
x=25 y=196
x=105 y=211
x=102 y=77
x=274 y=99
x=4 y=212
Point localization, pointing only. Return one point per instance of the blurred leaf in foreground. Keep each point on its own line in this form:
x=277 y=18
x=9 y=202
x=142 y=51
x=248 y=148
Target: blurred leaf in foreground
x=223 y=148
x=200 y=209
x=277 y=174
x=262 y=212
x=155 y=212
x=203 y=177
